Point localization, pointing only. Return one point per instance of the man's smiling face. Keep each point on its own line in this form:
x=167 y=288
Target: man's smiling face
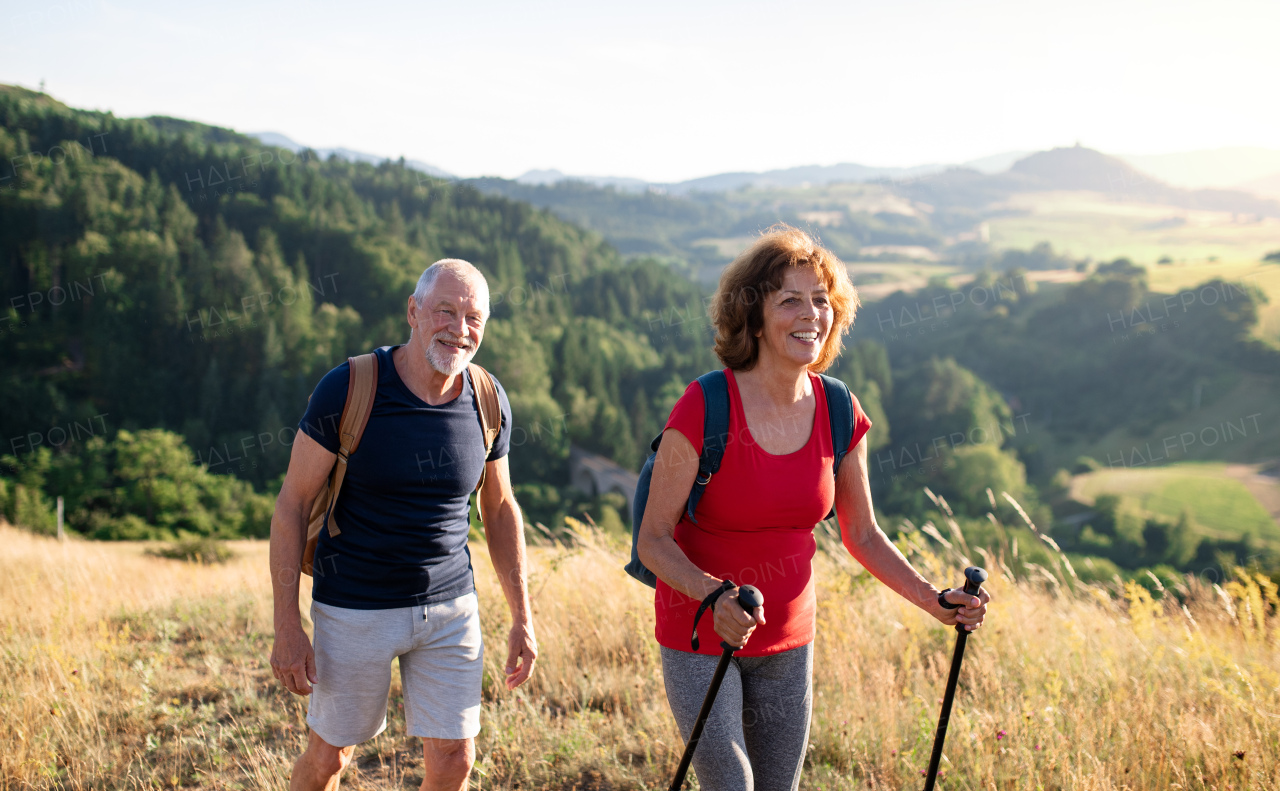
x=450 y=322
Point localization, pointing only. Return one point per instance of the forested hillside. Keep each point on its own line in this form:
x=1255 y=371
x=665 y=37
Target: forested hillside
x=164 y=274
x=1085 y=358
x=701 y=231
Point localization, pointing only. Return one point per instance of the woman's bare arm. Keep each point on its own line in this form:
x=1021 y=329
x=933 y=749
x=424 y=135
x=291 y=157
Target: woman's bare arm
x=872 y=548
x=674 y=471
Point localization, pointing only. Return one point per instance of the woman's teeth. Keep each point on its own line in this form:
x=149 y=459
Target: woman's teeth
x=805 y=336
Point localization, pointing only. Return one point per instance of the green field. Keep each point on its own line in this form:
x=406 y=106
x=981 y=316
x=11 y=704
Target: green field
x=1266 y=276
x=877 y=279
x=1107 y=227
x=1220 y=505
x=1202 y=245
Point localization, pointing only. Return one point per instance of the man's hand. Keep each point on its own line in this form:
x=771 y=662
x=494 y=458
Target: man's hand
x=293 y=661
x=522 y=648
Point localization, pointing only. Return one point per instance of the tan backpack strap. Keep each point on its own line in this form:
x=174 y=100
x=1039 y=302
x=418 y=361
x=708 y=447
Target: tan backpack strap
x=486 y=393
x=362 y=387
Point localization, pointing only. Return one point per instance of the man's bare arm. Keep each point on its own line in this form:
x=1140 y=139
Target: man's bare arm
x=292 y=658
x=504 y=530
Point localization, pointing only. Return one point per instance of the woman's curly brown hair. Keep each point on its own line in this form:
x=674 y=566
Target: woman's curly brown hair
x=737 y=309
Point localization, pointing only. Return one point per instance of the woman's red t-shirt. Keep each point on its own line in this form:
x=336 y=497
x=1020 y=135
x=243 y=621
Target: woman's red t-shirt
x=755 y=525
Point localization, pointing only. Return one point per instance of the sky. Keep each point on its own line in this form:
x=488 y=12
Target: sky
x=667 y=91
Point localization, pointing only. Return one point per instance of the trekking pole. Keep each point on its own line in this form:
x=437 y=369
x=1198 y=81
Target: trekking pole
x=749 y=598
x=973 y=579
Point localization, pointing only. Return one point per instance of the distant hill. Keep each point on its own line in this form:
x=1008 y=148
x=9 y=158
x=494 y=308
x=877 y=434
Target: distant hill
x=866 y=215
x=546 y=177
x=1246 y=169
x=1267 y=186
x=702 y=231
x=816 y=175
x=1223 y=180
x=1219 y=168
x=1078 y=168
x=996 y=163
x=277 y=139
x=801 y=176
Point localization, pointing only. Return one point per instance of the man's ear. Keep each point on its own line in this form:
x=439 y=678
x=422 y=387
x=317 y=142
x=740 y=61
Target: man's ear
x=411 y=312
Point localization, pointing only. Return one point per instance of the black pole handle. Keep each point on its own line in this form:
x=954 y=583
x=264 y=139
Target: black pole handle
x=973 y=579
x=749 y=598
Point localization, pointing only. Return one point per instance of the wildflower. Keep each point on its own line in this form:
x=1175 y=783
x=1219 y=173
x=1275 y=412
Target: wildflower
x=1037 y=747
x=1239 y=754
x=1000 y=735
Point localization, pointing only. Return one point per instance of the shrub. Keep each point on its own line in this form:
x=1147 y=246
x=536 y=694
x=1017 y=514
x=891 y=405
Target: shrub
x=196 y=550
x=137 y=486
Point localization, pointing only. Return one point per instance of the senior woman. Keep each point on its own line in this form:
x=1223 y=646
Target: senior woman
x=780 y=311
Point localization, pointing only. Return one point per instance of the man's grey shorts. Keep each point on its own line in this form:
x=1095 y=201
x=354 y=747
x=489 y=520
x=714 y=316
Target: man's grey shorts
x=441 y=667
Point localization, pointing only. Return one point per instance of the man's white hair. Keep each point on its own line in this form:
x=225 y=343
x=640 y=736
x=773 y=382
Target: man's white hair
x=460 y=269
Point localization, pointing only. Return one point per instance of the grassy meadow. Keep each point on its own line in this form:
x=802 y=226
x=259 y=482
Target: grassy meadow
x=126 y=670
x=1266 y=276
x=1223 y=507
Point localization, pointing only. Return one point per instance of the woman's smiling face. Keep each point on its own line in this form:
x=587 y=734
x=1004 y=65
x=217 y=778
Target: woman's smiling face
x=797 y=318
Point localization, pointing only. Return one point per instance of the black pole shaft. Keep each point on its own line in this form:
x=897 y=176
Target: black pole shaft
x=974 y=577
x=945 y=716
x=707 y=703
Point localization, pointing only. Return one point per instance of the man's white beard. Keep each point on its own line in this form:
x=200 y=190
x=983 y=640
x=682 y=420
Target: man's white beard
x=436 y=356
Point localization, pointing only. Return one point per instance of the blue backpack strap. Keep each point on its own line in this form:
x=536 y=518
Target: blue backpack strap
x=840 y=416
x=715 y=433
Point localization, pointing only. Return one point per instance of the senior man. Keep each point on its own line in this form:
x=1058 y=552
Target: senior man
x=396 y=579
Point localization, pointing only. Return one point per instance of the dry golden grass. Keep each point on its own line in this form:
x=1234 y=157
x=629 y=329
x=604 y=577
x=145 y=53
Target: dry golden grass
x=122 y=670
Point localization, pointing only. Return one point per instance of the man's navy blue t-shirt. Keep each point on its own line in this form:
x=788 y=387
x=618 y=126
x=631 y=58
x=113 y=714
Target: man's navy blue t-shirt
x=403 y=510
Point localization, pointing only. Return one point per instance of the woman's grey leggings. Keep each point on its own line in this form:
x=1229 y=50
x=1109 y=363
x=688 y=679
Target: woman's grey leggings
x=756 y=735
